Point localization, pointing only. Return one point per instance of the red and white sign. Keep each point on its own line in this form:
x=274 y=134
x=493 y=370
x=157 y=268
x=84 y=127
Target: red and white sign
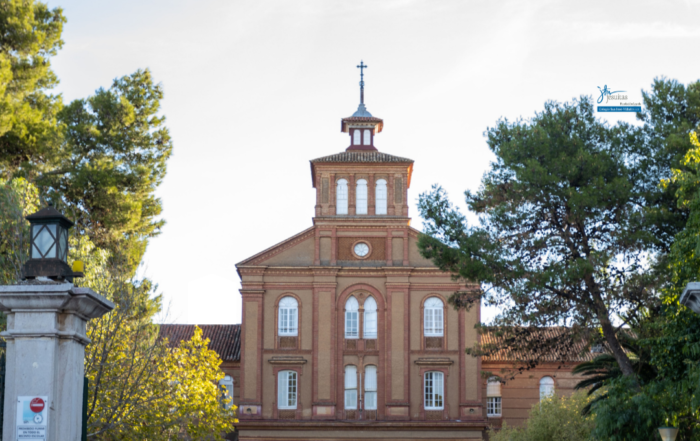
x=36 y=405
x=32 y=418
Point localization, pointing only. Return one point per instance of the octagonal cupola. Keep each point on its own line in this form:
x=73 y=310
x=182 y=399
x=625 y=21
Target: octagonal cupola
x=362 y=126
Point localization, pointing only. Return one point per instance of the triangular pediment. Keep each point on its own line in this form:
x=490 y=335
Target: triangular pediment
x=298 y=250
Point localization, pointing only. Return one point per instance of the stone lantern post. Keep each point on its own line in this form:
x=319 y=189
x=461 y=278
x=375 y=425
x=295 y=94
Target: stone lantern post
x=46 y=325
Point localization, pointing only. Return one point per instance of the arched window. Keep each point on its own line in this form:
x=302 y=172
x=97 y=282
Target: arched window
x=351 y=318
x=288 y=317
x=434 y=391
x=226 y=386
x=493 y=400
x=287 y=390
x=432 y=320
x=356 y=134
x=380 y=197
x=368 y=137
x=361 y=196
x=369 y=328
x=350 y=387
x=546 y=387
x=341 y=197
x=370 y=387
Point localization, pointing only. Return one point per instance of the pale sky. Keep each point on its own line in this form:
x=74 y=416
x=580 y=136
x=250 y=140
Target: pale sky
x=255 y=89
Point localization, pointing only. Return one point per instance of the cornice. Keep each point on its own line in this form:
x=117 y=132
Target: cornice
x=251 y=270
x=287 y=285
x=362 y=221
x=383 y=426
x=325 y=270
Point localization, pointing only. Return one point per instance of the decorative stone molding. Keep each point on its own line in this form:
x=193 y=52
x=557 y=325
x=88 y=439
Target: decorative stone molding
x=434 y=361
x=46 y=338
x=290 y=360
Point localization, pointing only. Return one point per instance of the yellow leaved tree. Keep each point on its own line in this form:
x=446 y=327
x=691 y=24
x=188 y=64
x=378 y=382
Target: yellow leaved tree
x=140 y=387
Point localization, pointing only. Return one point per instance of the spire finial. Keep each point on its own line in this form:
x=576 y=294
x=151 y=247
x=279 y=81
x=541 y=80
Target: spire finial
x=362 y=67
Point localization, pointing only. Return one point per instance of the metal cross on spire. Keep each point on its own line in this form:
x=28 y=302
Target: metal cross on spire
x=362 y=67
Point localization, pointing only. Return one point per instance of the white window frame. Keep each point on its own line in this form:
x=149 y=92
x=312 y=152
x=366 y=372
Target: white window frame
x=367 y=138
x=547 y=387
x=361 y=197
x=434 y=390
x=287 y=383
x=351 y=389
x=352 y=318
x=369 y=322
x=226 y=387
x=341 y=197
x=493 y=398
x=288 y=317
x=433 y=318
x=493 y=407
x=357 y=137
x=370 y=401
x=381 y=197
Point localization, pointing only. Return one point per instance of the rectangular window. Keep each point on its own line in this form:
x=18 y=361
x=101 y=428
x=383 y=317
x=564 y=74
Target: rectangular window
x=493 y=406
x=433 y=323
x=288 y=321
x=361 y=197
x=287 y=390
x=341 y=197
x=434 y=391
x=381 y=197
x=350 y=387
x=226 y=391
x=351 y=324
x=371 y=388
x=370 y=324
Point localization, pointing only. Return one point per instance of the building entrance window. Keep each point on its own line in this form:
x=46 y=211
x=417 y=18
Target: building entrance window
x=287 y=390
x=434 y=391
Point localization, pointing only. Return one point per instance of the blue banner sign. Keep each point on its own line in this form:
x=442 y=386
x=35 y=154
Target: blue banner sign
x=619 y=108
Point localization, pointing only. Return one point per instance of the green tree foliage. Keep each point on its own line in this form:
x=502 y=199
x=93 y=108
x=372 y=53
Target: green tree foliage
x=30 y=33
x=600 y=371
x=101 y=158
x=115 y=151
x=563 y=237
x=671 y=110
x=558 y=418
x=18 y=199
x=673 y=396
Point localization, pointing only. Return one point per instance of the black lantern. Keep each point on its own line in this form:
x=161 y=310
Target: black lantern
x=48 y=246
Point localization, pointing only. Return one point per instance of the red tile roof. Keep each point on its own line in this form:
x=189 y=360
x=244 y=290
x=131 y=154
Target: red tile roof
x=225 y=340
x=362 y=156
x=555 y=337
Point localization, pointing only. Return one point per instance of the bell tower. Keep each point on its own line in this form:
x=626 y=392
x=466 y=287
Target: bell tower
x=362 y=126
x=362 y=185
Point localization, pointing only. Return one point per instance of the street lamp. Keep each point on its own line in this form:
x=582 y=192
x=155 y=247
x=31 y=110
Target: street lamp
x=49 y=247
x=691 y=296
x=668 y=433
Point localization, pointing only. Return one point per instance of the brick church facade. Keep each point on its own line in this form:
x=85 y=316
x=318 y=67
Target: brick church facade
x=346 y=332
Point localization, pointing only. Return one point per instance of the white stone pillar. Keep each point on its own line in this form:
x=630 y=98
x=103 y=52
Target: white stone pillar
x=46 y=325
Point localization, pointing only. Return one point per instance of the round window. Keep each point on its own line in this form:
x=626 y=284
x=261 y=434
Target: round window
x=361 y=249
